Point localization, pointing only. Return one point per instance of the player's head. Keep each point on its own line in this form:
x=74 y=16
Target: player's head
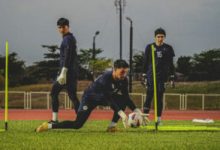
x=160 y=35
x=120 y=69
x=63 y=25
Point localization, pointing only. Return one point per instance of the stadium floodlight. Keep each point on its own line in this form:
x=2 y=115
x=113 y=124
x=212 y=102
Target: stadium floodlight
x=6 y=87
x=131 y=54
x=120 y=5
x=93 y=44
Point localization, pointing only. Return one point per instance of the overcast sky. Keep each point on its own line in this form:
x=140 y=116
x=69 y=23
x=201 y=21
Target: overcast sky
x=192 y=25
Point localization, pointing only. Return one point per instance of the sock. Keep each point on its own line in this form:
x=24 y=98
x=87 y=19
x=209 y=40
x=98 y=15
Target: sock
x=112 y=124
x=158 y=119
x=55 y=116
x=50 y=126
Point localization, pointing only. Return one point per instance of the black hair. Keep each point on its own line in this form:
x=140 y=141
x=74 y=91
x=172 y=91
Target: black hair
x=160 y=31
x=120 y=63
x=63 y=22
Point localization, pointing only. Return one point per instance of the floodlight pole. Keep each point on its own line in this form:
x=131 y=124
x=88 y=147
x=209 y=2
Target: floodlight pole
x=120 y=4
x=93 y=44
x=131 y=54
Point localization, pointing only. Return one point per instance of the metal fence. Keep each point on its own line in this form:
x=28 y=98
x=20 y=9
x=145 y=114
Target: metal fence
x=42 y=100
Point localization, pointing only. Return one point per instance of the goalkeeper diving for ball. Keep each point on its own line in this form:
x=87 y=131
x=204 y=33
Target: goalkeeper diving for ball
x=109 y=89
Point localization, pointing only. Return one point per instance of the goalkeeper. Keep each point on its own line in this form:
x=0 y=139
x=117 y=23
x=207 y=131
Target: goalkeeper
x=164 y=54
x=109 y=89
x=67 y=77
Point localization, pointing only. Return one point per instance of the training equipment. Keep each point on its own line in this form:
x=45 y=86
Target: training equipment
x=6 y=86
x=124 y=118
x=135 y=120
x=155 y=86
x=203 y=120
x=62 y=77
x=43 y=127
x=177 y=128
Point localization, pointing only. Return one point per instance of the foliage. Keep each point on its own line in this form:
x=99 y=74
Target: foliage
x=16 y=68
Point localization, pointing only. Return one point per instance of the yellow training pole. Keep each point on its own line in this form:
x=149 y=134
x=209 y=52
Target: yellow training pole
x=155 y=85
x=6 y=85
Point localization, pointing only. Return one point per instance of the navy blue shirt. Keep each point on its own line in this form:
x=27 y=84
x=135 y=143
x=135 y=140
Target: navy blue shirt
x=163 y=59
x=68 y=53
x=105 y=87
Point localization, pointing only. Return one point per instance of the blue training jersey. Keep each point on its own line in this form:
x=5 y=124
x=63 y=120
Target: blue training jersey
x=68 y=53
x=105 y=87
x=163 y=59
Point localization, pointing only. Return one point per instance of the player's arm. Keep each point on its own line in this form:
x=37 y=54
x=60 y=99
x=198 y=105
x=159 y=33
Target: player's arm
x=171 y=64
x=146 y=59
x=70 y=47
x=125 y=93
x=117 y=109
x=106 y=84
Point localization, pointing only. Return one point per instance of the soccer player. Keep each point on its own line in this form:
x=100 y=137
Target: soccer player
x=164 y=54
x=109 y=89
x=67 y=77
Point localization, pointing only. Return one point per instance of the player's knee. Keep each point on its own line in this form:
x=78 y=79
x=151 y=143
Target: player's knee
x=78 y=125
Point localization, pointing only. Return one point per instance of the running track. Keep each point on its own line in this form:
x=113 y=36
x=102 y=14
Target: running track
x=36 y=114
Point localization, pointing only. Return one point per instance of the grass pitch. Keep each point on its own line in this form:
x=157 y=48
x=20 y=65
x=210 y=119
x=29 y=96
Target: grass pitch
x=21 y=135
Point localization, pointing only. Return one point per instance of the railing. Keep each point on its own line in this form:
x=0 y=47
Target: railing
x=42 y=100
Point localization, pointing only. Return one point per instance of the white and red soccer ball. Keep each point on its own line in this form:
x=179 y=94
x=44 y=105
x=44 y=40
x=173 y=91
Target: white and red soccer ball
x=135 y=120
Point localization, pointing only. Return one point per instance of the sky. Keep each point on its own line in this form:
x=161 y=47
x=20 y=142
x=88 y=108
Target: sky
x=192 y=26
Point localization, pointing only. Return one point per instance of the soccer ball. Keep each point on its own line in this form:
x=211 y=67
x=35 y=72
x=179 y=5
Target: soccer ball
x=134 y=120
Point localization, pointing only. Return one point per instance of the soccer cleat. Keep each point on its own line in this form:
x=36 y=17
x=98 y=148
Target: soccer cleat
x=112 y=129
x=159 y=123
x=53 y=122
x=42 y=127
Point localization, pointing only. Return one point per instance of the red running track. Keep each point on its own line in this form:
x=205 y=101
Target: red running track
x=36 y=114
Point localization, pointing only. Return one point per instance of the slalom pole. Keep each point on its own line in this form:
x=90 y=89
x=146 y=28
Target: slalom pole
x=155 y=86
x=6 y=85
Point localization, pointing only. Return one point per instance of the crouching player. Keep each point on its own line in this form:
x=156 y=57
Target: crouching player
x=109 y=89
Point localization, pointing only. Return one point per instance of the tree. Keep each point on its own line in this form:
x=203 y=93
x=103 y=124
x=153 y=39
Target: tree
x=94 y=66
x=16 y=68
x=184 y=65
x=43 y=70
x=138 y=61
x=206 y=65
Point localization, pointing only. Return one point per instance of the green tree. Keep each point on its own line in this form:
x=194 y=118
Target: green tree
x=206 y=65
x=43 y=70
x=94 y=66
x=16 y=68
x=184 y=65
x=138 y=61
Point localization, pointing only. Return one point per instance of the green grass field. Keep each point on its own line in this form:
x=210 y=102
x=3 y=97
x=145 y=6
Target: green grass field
x=21 y=135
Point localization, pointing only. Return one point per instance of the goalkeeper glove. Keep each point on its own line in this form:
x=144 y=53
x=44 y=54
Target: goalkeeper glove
x=124 y=118
x=145 y=119
x=62 y=77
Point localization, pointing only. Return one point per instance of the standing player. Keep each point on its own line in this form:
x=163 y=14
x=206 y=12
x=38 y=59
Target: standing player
x=68 y=69
x=109 y=89
x=164 y=66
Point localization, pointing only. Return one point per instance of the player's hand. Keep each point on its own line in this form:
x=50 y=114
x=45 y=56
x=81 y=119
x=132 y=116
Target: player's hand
x=62 y=77
x=124 y=118
x=145 y=119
